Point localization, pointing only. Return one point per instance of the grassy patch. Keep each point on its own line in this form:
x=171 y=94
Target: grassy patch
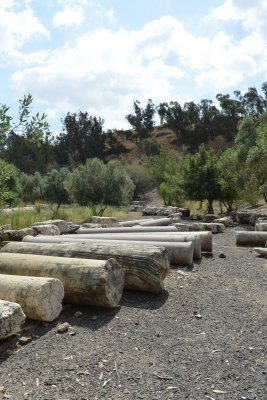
x=21 y=218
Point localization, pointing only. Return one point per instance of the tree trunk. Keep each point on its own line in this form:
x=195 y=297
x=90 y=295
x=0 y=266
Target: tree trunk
x=145 y=267
x=39 y=298
x=210 y=207
x=92 y=282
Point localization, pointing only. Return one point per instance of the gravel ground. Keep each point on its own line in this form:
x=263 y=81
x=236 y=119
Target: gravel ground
x=204 y=338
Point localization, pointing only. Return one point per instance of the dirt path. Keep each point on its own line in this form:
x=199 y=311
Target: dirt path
x=204 y=338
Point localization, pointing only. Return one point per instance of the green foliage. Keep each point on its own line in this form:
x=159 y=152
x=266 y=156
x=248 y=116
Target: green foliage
x=82 y=138
x=96 y=183
x=251 y=148
x=172 y=191
x=229 y=178
x=141 y=178
x=54 y=189
x=142 y=120
x=33 y=127
x=9 y=184
x=257 y=154
x=202 y=177
x=165 y=171
x=32 y=187
x=150 y=146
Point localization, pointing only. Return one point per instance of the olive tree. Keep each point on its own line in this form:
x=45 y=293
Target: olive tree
x=54 y=188
x=98 y=185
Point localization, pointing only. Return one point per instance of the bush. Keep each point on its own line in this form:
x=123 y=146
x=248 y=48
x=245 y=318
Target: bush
x=54 y=189
x=141 y=179
x=96 y=183
x=9 y=184
x=150 y=147
x=32 y=187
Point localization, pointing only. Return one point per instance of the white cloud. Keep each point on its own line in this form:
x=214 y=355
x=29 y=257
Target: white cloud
x=72 y=13
x=111 y=15
x=104 y=71
x=17 y=28
x=252 y=14
x=68 y=17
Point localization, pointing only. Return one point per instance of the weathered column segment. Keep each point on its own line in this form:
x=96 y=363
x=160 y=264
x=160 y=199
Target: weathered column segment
x=93 y=282
x=39 y=298
x=145 y=267
x=251 y=238
x=179 y=252
x=11 y=319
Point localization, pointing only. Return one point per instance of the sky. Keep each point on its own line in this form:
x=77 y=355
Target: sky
x=101 y=55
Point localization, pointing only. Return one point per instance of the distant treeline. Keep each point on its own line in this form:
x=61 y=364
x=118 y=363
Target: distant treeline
x=28 y=143
x=82 y=165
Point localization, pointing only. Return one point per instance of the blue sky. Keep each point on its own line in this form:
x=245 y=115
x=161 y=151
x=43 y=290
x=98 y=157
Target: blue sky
x=101 y=55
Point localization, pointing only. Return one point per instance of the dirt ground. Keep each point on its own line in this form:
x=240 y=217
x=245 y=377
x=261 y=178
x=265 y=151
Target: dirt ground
x=204 y=338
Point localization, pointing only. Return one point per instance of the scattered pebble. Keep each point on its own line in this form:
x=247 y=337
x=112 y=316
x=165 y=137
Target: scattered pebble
x=25 y=340
x=64 y=327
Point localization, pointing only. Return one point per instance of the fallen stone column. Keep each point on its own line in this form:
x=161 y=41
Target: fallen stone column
x=39 y=298
x=261 y=250
x=133 y=222
x=11 y=318
x=261 y=226
x=178 y=252
x=145 y=267
x=93 y=282
x=156 y=222
x=204 y=236
x=251 y=238
x=129 y=229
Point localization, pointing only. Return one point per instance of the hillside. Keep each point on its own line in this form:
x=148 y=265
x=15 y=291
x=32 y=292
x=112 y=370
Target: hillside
x=165 y=137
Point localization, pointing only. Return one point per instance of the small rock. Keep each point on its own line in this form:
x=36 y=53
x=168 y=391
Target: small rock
x=222 y=255
x=78 y=314
x=25 y=340
x=61 y=328
x=197 y=315
x=72 y=333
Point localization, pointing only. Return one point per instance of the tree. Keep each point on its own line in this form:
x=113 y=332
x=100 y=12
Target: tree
x=33 y=127
x=142 y=120
x=32 y=187
x=245 y=138
x=98 y=184
x=141 y=178
x=27 y=135
x=162 y=111
x=202 y=177
x=54 y=188
x=9 y=184
x=150 y=146
x=257 y=155
x=32 y=156
x=82 y=138
x=229 y=178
